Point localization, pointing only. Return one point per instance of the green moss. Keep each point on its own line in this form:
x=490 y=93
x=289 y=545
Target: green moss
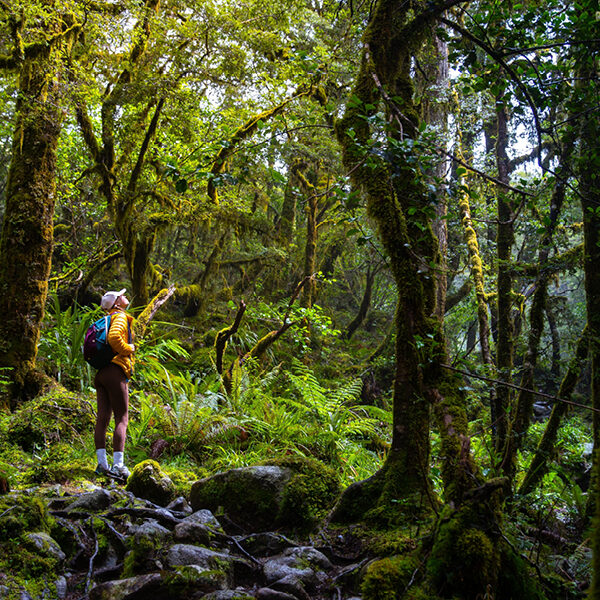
x=57 y=465
x=388 y=542
x=56 y=416
x=20 y=560
x=310 y=493
x=464 y=558
x=388 y=578
x=142 y=556
x=22 y=514
x=186 y=580
x=149 y=481
x=182 y=480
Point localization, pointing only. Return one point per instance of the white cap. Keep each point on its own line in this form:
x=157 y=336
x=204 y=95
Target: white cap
x=109 y=299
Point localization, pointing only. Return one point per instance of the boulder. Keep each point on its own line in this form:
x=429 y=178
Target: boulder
x=44 y=544
x=97 y=500
x=293 y=493
x=180 y=555
x=150 y=482
x=249 y=495
x=143 y=586
x=296 y=569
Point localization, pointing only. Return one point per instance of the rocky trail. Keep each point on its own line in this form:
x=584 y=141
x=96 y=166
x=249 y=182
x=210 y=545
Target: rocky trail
x=112 y=544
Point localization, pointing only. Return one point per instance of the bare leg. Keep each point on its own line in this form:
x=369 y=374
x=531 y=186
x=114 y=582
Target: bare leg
x=103 y=414
x=120 y=407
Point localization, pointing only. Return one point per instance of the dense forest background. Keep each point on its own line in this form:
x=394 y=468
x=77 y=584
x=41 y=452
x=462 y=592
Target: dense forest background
x=378 y=227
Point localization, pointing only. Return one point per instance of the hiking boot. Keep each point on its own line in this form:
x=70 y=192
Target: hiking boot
x=100 y=470
x=121 y=472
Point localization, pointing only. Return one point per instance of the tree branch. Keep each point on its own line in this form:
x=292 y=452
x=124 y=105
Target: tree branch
x=141 y=323
x=498 y=58
x=135 y=173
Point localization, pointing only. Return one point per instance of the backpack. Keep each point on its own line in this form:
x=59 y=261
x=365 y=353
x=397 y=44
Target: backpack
x=96 y=349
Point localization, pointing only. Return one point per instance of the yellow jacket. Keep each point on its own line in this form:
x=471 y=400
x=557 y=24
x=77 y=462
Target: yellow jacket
x=118 y=338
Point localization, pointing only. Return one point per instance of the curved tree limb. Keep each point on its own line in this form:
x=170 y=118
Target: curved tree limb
x=247 y=129
x=141 y=323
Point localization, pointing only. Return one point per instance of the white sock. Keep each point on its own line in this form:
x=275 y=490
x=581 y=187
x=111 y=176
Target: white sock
x=101 y=456
x=118 y=459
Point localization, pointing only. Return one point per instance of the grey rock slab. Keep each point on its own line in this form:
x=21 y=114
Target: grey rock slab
x=291 y=585
x=150 y=528
x=180 y=505
x=307 y=554
x=303 y=563
x=204 y=517
x=270 y=594
x=61 y=587
x=187 y=554
x=46 y=545
x=237 y=594
x=198 y=533
x=97 y=500
x=143 y=586
x=276 y=569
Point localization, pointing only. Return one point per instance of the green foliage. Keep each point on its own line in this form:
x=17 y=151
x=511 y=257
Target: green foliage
x=61 y=344
x=343 y=424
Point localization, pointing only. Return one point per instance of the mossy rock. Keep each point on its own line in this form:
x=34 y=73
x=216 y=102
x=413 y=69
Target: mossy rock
x=56 y=416
x=388 y=578
x=150 y=482
x=21 y=514
x=25 y=520
x=290 y=493
x=310 y=493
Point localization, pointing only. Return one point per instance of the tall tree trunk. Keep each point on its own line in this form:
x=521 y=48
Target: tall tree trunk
x=543 y=454
x=364 y=305
x=27 y=231
x=524 y=404
x=589 y=167
x=477 y=276
x=504 y=241
x=555 y=364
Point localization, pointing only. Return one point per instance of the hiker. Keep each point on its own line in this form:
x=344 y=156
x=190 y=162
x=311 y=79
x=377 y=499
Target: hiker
x=112 y=389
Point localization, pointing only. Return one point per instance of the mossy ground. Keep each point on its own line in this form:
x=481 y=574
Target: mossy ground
x=22 y=566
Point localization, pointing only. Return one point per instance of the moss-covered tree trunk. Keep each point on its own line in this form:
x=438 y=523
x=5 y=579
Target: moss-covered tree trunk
x=27 y=229
x=365 y=304
x=396 y=201
x=545 y=450
x=504 y=242
x=589 y=168
x=524 y=402
x=468 y=557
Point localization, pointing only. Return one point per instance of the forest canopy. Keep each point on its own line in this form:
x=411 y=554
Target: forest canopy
x=378 y=223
